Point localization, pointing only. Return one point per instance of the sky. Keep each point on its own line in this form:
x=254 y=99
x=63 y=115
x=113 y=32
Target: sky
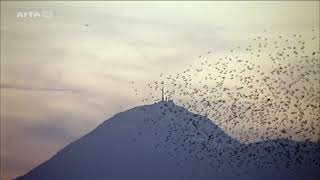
x=62 y=76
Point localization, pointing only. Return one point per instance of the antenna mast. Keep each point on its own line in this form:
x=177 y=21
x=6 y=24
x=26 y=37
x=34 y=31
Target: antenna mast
x=162 y=91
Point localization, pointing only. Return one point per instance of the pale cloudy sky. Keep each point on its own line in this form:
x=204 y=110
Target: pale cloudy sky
x=61 y=78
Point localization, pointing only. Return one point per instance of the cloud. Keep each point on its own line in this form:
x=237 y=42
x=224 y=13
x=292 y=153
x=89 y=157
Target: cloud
x=33 y=88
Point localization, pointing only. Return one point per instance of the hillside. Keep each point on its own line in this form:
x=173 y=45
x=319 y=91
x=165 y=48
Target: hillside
x=166 y=141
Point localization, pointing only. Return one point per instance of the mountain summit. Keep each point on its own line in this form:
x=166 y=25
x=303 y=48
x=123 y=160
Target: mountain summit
x=166 y=141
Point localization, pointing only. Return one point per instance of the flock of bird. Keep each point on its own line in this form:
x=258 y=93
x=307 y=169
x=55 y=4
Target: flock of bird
x=266 y=90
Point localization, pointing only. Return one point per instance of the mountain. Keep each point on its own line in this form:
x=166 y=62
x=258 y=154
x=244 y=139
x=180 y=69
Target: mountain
x=165 y=141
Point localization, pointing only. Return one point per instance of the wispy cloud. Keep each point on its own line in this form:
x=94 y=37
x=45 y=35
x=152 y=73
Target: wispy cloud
x=20 y=87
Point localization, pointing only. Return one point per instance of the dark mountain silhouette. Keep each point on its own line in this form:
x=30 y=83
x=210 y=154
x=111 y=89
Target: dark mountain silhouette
x=163 y=141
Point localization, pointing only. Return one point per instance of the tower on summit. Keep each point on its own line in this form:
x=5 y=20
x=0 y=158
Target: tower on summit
x=162 y=93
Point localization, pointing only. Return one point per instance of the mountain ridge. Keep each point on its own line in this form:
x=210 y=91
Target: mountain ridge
x=163 y=140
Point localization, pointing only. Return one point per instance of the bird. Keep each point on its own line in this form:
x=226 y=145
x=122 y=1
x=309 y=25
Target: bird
x=272 y=89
